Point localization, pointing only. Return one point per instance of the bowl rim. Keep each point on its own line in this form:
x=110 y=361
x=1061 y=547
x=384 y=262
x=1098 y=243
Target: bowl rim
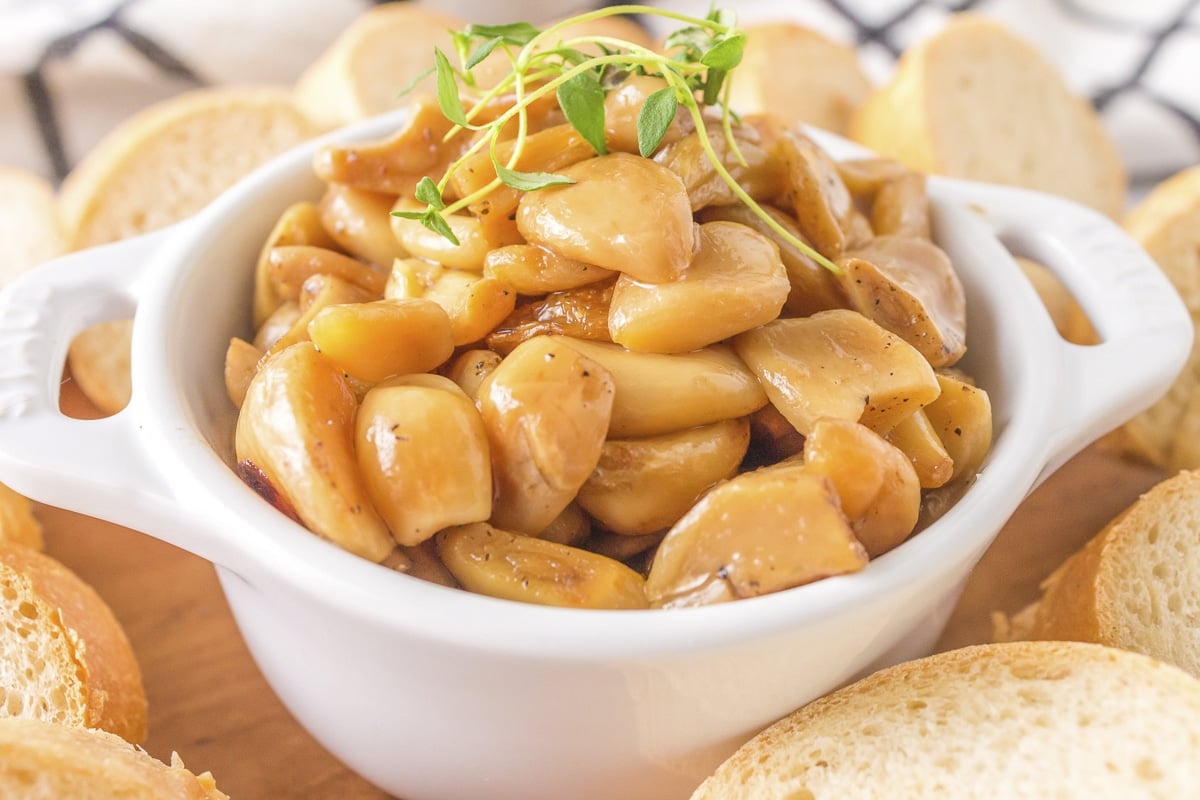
x=286 y=554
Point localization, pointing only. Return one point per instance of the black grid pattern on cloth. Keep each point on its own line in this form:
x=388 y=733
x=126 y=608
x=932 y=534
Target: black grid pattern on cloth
x=42 y=102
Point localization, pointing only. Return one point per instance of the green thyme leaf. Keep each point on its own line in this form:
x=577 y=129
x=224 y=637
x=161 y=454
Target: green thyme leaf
x=692 y=40
x=428 y=193
x=725 y=54
x=482 y=51
x=413 y=83
x=438 y=224
x=447 y=90
x=514 y=33
x=582 y=101
x=654 y=119
x=528 y=181
x=432 y=220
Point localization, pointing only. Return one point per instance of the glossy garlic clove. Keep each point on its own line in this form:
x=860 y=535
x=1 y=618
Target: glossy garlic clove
x=546 y=409
x=758 y=533
x=623 y=213
x=296 y=430
x=490 y=561
x=417 y=483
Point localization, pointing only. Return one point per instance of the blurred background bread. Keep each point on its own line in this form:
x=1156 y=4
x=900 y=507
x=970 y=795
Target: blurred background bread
x=1167 y=224
x=29 y=224
x=172 y=159
x=363 y=72
x=44 y=761
x=1029 y=720
x=64 y=657
x=1135 y=586
x=799 y=74
x=976 y=101
x=18 y=524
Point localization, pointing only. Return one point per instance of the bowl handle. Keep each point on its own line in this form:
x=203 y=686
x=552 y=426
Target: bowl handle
x=1144 y=327
x=68 y=462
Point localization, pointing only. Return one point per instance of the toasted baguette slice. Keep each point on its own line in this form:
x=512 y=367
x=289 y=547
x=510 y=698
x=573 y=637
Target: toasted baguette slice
x=29 y=225
x=1135 y=585
x=44 y=761
x=1167 y=224
x=373 y=60
x=799 y=76
x=1027 y=720
x=64 y=658
x=1068 y=316
x=975 y=101
x=98 y=360
x=18 y=525
x=173 y=158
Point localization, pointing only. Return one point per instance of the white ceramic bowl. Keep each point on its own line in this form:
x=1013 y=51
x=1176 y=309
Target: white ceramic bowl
x=437 y=694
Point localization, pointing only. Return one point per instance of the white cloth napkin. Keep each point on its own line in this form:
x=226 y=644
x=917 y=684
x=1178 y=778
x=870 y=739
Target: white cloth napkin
x=71 y=69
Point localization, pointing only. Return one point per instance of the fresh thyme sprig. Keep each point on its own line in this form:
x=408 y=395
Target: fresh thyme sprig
x=702 y=56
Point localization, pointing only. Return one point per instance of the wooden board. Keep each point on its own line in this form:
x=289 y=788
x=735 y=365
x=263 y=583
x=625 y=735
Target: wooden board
x=209 y=703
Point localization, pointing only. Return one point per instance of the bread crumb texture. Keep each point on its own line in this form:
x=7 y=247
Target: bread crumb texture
x=1135 y=585
x=1018 y=720
x=64 y=658
x=169 y=161
x=44 y=761
x=976 y=101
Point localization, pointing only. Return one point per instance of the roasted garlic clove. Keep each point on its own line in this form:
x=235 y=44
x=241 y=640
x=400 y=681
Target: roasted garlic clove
x=735 y=282
x=318 y=293
x=296 y=432
x=497 y=563
x=838 y=364
x=471 y=368
x=910 y=288
x=579 y=313
x=813 y=287
x=758 y=533
x=423 y=454
x=546 y=409
x=819 y=199
x=291 y=265
x=377 y=340
x=757 y=170
x=916 y=437
x=361 y=223
x=533 y=270
x=393 y=165
x=962 y=419
x=622 y=213
x=645 y=485
x=241 y=362
x=419 y=241
x=875 y=481
x=658 y=393
x=300 y=224
x=623 y=106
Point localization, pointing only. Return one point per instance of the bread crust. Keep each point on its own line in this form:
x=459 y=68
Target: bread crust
x=106 y=670
x=1019 y=720
x=44 y=761
x=1131 y=585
